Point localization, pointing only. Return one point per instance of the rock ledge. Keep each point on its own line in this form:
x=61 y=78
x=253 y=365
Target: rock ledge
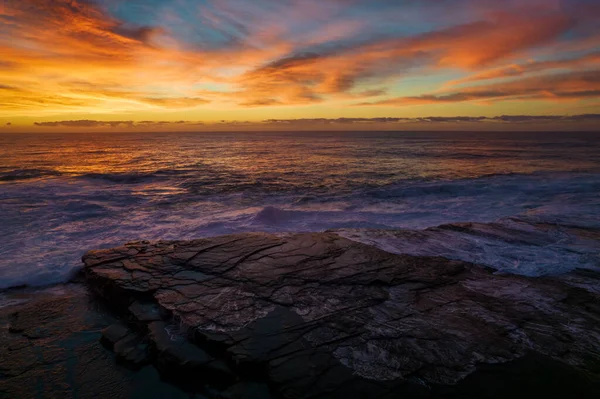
x=318 y=315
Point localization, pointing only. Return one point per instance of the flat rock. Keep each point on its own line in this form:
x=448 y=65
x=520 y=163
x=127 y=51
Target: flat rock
x=318 y=315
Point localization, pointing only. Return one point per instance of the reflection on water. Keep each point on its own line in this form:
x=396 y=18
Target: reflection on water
x=339 y=160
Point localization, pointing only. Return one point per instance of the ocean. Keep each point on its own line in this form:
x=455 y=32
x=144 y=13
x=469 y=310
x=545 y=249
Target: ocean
x=64 y=194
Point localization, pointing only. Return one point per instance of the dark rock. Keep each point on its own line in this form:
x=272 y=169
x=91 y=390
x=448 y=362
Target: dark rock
x=145 y=312
x=127 y=345
x=113 y=334
x=182 y=360
x=131 y=351
x=56 y=352
x=170 y=344
x=246 y=390
x=317 y=315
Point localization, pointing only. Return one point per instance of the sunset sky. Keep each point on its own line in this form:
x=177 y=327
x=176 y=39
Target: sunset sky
x=310 y=64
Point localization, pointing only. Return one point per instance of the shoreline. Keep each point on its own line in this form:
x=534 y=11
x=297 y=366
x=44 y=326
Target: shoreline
x=125 y=315
x=509 y=245
x=49 y=223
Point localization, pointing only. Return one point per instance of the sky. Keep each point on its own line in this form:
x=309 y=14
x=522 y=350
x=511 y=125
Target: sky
x=88 y=65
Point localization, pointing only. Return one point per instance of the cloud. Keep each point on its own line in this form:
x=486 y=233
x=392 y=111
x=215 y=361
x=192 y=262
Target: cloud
x=87 y=57
x=8 y=88
x=514 y=70
x=87 y=123
x=507 y=120
x=556 y=87
x=70 y=27
x=547 y=118
x=168 y=123
x=261 y=102
x=180 y=102
x=452 y=119
x=504 y=35
x=70 y=55
x=335 y=71
x=334 y=121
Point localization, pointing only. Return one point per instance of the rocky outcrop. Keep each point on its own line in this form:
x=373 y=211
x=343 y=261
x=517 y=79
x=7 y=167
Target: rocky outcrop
x=318 y=315
x=50 y=348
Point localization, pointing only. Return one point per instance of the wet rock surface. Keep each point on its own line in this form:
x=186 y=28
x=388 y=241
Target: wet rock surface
x=50 y=348
x=320 y=316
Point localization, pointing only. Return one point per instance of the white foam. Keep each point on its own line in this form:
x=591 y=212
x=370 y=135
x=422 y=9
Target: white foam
x=510 y=245
x=47 y=225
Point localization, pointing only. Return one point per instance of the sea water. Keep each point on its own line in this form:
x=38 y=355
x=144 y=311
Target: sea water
x=64 y=194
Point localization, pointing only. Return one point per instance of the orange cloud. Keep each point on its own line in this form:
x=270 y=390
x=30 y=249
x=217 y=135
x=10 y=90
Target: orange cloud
x=313 y=77
x=473 y=45
x=565 y=86
x=586 y=61
x=72 y=56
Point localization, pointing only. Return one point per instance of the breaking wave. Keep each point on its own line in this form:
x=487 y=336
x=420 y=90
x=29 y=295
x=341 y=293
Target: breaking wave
x=49 y=224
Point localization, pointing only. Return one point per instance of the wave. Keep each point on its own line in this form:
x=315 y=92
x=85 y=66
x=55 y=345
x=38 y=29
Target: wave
x=27 y=174
x=116 y=177
x=510 y=245
x=121 y=178
x=177 y=175
x=271 y=215
x=493 y=183
x=518 y=220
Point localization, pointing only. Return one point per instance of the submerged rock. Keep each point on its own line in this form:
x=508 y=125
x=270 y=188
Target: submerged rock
x=318 y=315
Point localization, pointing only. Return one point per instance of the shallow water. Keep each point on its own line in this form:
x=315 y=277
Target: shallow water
x=63 y=194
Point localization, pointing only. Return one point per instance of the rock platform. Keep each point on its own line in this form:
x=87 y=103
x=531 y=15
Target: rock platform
x=315 y=315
